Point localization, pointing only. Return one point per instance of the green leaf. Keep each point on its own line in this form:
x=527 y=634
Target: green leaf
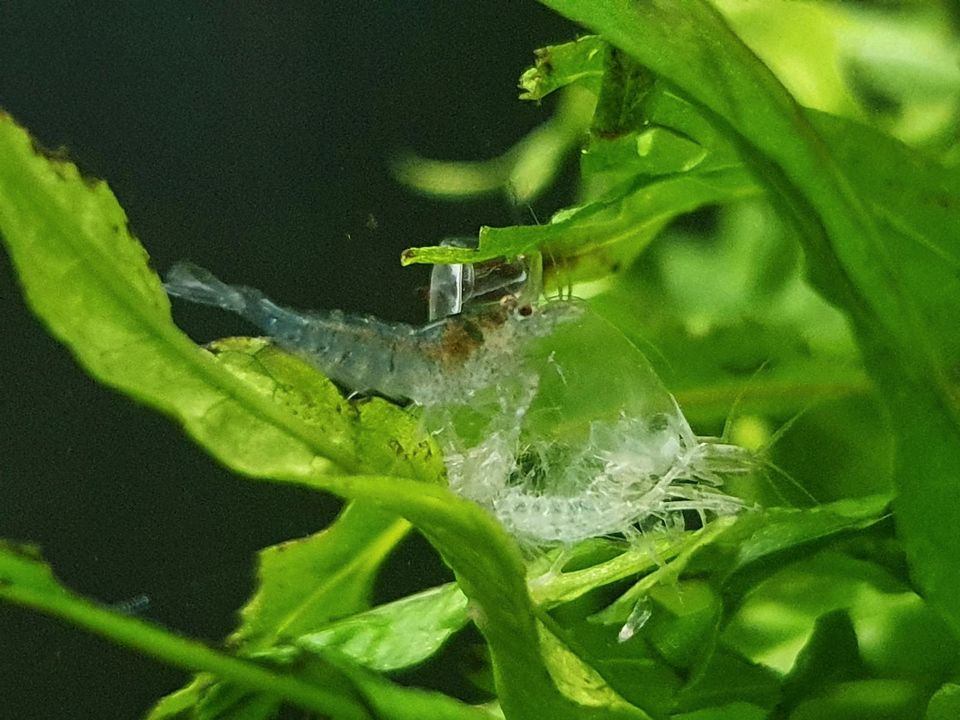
x=733 y=711
x=945 y=703
x=692 y=610
x=897 y=632
x=726 y=678
x=337 y=567
x=396 y=635
x=557 y=66
x=866 y=251
x=728 y=546
x=831 y=655
x=878 y=699
x=588 y=241
x=580 y=676
x=393 y=702
x=25 y=580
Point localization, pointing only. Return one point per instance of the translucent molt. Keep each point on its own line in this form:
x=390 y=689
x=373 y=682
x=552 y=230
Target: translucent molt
x=574 y=436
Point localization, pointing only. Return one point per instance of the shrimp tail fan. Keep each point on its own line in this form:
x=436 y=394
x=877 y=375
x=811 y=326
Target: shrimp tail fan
x=194 y=283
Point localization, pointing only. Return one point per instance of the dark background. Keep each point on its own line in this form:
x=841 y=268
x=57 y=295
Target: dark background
x=253 y=138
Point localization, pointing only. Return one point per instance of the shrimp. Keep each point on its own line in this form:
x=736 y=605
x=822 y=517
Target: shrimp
x=360 y=352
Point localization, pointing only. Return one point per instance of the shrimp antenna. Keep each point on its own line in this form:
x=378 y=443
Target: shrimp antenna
x=734 y=410
x=794 y=483
x=773 y=440
x=763 y=451
x=533 y=214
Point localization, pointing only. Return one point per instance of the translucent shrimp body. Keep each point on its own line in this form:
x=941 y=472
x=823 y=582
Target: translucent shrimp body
x=362 y=353
x=546 y=414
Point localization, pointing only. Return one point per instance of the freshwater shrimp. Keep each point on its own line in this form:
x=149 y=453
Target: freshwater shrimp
x=362 y=352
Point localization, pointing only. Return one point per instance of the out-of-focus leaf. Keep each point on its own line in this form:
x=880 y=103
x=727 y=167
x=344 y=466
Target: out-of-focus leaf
x=945 y=703
x=897 y=633
x=397 y=635
x=529 y=166
x=895 y=66
x=831 y=655
x=865 y=700
x=522 y=173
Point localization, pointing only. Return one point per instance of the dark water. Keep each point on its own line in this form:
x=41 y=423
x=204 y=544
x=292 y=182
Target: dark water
x=252 y=138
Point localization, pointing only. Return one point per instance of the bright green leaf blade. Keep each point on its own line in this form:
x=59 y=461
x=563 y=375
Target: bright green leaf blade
x=185 y=703
x=381 y=436
x=396 y=635
x=336 y=567
x=25 y=580
x=880 y=272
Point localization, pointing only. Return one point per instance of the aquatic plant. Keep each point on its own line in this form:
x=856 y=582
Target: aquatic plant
x=791 y=609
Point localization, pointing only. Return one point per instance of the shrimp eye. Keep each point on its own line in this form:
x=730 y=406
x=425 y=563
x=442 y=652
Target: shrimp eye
x=525 y=310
